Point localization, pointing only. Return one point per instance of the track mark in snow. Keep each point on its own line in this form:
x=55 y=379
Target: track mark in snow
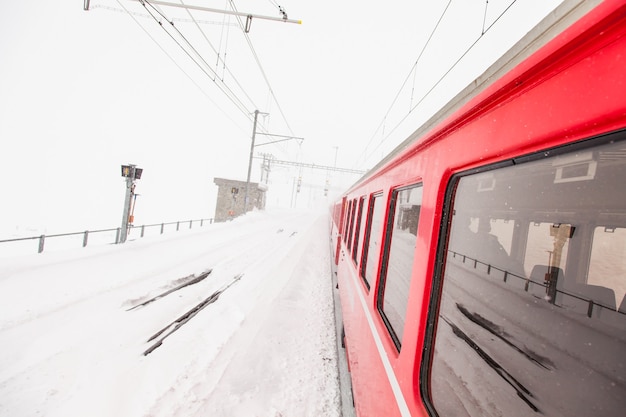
x=179 y=322
x=522 y=392
x=193 y=280
x=495 y=330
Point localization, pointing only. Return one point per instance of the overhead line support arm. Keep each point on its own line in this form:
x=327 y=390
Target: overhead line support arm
x=315 y=166
x=286 y=138
x=208 y=9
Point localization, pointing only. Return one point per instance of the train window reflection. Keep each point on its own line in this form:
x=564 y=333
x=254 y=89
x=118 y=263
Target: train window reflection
x=607 y=266
x=530 y=317
x=401 y=237
x=545 y=247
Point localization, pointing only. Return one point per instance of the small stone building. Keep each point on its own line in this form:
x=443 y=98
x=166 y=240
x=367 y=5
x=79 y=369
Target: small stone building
x=230 y=198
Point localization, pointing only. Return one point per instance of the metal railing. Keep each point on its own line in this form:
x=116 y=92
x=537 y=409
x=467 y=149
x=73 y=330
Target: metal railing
x=550 y=290
x=117 y=233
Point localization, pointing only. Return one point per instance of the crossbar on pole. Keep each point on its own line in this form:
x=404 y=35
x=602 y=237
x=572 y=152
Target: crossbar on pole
x=208 y=9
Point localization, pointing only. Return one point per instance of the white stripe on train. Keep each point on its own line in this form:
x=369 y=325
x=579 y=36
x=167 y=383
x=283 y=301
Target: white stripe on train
x=395 y=386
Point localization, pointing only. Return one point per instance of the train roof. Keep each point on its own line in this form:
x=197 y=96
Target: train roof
x=557 y=21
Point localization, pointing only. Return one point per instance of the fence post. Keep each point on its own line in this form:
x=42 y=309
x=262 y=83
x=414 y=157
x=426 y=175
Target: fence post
x=552 y=278
x=162 y=226
x=190 y=223
x=117 y=236
x=42 y=239
x=85 y=237
x=211 y=221
x=177 y=226
x=143 y=227
x=201 y=222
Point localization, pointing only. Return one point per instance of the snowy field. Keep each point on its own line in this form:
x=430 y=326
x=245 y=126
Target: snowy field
x=75 y=324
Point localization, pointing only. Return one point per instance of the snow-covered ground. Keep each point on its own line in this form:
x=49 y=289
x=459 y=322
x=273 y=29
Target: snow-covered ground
x=71 y=343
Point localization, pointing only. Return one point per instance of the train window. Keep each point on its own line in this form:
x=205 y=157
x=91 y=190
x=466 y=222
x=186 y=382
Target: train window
x=351 y=227
x=372 y=241
x=397 y=263
x=347 y=224
x=357 y=230
x=527 y=317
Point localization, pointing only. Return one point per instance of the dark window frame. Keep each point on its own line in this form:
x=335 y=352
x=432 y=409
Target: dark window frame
x=384 y=262
x=351 y=226
x=347 y=225
x=367 y=237
x=357 y=229
x=447 y=211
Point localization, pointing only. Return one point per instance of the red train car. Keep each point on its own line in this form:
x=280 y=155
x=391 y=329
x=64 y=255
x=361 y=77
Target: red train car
x=481 y=267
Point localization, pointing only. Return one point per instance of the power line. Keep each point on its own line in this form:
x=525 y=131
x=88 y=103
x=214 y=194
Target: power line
x=412 y=71
x=176 y=63
x=185 y=45
x=206 y=68
x=217 y=62
x=314 y=166
x=218 y=55
x=267 y=82
x=435 y=85
x=147 y=16
x=485 y=15
x=500 y=16
x=229 y=93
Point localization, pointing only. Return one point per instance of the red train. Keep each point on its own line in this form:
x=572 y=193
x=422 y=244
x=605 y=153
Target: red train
x=481 y=266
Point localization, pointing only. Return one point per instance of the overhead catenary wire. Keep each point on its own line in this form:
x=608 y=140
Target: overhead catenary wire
x=261 y=127
x=206 y=68
x=266 y=79
x=257 y=60
x=132 y=15
x=196 y=58
x=411 y=71
x=485 y=15
x=186 y=41
x=193 y=19
x=202 y=65
x=147 y=16
x=364 y=154
x=217 y=52
x=223 y=60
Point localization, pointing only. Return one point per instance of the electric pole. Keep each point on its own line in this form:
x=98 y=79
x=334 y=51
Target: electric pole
x=252 y=145
x=246 y=195
x=131 y=173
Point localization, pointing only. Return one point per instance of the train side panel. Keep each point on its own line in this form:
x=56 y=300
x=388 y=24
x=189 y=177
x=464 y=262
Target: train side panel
x=365 y=363
x=572 y=89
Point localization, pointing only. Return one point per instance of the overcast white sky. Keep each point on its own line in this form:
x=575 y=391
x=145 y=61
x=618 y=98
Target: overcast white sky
x=83 y=92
